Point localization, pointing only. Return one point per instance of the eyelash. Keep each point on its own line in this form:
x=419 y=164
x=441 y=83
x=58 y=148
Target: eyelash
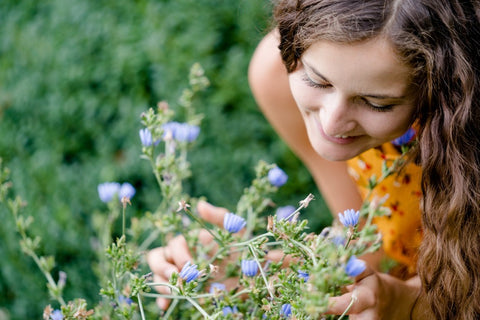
x=309 y=82
x=313 y=84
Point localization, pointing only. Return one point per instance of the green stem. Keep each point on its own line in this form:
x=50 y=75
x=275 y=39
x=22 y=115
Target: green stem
x=148 y=241
x=215 y=236
x=248 y=242
x=306 y=249
x=123 y=219
x=48 y=276
x=170 y=309
x=140 y=306
x=198 y=307
x=189 y=299
x=261 y=271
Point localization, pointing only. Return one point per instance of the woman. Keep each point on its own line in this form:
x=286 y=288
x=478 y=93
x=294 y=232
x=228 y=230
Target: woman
x=361 y=73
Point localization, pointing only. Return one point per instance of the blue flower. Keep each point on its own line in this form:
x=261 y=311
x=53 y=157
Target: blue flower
x=285 y=212
x=126 y=190
x=233 y=223
x=405 y=138
x=183 y=132
x=107 y=190
x=227 y=310
x=286 y=310
x=349 y=217
x=189 y=272
x=249 y=267
x=303 y=275
x=56 y=315
x=277 y=177
x=170 y=128
x=355 y=266
x=186 y=132
x=145 y=137
x=216 y=286
x=125 y=300
x=338 y=240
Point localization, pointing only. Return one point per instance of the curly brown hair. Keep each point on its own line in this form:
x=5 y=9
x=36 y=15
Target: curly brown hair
x=440 y=41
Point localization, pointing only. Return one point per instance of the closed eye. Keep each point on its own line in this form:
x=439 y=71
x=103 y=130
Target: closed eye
x=379 y=108
x=313 y=84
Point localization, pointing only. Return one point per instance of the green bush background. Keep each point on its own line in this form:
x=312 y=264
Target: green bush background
x=75 y=76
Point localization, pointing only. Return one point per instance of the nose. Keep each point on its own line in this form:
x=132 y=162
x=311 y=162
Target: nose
x=337 y=115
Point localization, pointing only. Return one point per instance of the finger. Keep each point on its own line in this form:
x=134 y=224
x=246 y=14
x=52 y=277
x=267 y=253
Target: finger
x=211 y=213
x=363 y=299
x=156 y=259
x=177 y=250
x=277 y=255
x=368 y=314
x=205 y=238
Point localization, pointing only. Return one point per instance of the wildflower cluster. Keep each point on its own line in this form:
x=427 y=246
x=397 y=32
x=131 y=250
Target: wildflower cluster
x=234 y=277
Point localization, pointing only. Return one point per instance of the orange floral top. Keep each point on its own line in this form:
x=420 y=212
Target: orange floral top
x=401 y=230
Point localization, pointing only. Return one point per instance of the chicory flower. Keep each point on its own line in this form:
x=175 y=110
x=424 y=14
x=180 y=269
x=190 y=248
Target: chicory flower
x=285 y=212
x=216 y=286
x=146 y=137
x=405 y=138
x=189 y=272
x=349 y=218
x=249 y=268
x=303 y=275
x=355 y=266
x=233 y=223
x=56 y=315
x=107 y=190
x=182 y=132
x=286 y=310
x=125 y=300
x=277 y=177
x=186 y=132
x=227 y=310
x=126 y=190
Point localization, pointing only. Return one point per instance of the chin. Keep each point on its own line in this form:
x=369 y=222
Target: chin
x=338 y=153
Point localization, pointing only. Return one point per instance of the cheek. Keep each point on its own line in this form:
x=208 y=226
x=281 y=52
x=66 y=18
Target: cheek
x=389 y=126
x=303 y=95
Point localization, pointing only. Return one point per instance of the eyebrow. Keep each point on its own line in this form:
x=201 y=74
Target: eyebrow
x=367 y=95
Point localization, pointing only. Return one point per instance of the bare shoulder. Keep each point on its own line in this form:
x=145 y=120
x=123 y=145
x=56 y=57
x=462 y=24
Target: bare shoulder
x=267 y=75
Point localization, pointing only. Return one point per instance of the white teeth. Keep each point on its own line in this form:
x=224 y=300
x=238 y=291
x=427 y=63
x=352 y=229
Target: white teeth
x=343 y=137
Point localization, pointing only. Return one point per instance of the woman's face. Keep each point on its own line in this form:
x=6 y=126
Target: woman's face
x=352 y=97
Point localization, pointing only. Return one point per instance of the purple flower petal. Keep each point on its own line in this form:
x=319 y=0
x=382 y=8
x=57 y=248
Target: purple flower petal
x=349 y=218
x=285 y=212
x=189 y=272
x=145 y=137
x=233 y=223
x=249 y=268
x=107 y=190
x=286 y=310
x=355 y=266
x=126 y=190
x=277 y=177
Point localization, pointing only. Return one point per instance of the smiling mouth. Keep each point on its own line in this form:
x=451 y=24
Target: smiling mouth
x=337 y=139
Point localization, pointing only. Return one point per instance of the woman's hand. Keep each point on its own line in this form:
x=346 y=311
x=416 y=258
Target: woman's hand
x=164 y=261
x=377 y=296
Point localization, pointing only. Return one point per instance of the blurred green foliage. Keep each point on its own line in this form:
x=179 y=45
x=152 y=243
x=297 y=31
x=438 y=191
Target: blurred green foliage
x=75 y=76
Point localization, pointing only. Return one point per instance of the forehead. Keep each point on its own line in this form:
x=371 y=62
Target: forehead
x=365 y=65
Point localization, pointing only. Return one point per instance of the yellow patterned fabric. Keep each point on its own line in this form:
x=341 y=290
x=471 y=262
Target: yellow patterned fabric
x=401 y=230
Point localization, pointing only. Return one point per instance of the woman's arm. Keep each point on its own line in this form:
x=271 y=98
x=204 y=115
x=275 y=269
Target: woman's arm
x=269 y=84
